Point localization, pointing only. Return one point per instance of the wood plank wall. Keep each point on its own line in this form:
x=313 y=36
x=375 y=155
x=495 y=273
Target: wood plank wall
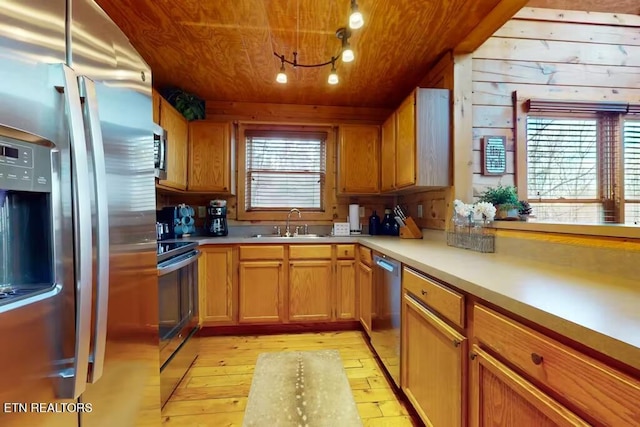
x=550 y=54
x=290 y=114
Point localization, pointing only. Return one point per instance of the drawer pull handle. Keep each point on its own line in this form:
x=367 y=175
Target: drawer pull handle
x=423 y=291
x=472 y=356
x=456 y=343
x=536 y=358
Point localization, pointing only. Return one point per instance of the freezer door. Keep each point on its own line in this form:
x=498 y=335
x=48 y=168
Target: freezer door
x=126 y=391
x=38 y=340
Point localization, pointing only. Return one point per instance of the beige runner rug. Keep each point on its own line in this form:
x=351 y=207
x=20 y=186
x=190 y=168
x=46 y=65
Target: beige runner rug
x=300 y=388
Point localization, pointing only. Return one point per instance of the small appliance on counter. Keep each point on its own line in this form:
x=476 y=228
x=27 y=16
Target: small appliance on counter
x=180 y=220
x=216 y=224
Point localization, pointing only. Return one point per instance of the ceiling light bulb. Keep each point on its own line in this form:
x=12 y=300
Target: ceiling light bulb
x=281 y=77
x=347 y=55
x=355 y=19
x=333 y=77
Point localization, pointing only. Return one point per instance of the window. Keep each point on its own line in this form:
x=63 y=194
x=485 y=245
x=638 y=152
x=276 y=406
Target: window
x=583 y=162
x=285 y=170
x=631 y=138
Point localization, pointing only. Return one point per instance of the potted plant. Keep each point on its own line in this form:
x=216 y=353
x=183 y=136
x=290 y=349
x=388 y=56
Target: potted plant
x=505 y=199
x=188 y=104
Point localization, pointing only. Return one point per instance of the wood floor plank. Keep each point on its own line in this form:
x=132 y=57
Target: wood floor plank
x=390 y=422
x=393 y=408
x=201 y=371
x=204 y=406
x=220 y=380
x=373 y=395
x=222 y=419
x=358 y=383
x=379 y=382
x=191 y=393
x=369 y=410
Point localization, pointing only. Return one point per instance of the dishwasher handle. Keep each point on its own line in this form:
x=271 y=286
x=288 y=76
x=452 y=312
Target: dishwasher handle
x=390 y=266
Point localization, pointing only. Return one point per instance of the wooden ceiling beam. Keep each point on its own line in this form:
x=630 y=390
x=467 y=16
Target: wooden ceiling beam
x=500 y=14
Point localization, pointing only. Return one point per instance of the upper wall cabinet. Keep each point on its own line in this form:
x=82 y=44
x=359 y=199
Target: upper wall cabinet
x=211 y=157
x=359 y=159
x=177 y=129
x=417 y=136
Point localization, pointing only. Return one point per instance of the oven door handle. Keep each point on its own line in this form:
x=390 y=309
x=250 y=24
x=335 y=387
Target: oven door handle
x=170 y=268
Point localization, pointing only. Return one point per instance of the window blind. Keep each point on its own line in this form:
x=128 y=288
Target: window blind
x=631 y=153
x=285 y=170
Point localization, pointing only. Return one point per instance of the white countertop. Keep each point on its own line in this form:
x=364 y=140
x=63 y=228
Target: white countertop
x=598 y=310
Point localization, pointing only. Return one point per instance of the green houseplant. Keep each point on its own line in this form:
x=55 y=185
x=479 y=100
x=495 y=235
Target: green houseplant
x=505 y=199
x=188 y=104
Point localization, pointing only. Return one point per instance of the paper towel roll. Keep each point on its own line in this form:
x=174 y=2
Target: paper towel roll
x=354 y=218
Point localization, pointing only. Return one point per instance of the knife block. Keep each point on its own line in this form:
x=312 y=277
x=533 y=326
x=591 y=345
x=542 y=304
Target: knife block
x=410 y=230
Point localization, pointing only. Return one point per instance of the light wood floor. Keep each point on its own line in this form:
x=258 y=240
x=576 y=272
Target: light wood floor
x=214 y=392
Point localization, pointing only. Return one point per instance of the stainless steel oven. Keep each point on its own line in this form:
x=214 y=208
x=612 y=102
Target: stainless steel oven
x=178 y=312
x=160 y=152
x=385 y=325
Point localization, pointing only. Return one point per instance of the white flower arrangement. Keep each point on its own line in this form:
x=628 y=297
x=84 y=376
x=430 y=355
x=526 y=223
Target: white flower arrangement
x=462 y=209
x=484 y=210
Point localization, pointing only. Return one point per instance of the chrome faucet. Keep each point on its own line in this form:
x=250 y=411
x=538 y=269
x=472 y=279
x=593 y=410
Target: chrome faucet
x=287 y=231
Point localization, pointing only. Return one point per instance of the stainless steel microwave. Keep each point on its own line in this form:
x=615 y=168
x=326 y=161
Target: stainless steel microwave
x=160 y=152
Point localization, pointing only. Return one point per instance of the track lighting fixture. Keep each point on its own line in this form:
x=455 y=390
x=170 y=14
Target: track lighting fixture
x=346 y=53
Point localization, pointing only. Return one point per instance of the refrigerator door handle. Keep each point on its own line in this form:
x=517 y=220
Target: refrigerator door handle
x=82 y=234
x=96 y=146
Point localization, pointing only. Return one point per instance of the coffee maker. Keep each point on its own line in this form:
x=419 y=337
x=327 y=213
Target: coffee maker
x=216 y=224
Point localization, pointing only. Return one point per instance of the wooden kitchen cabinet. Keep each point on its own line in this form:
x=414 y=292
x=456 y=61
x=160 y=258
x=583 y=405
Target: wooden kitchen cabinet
x=217 y=286
x=388 y=155
x=419 y=141
x=499 y=396
x=433 y=366
x=211 y=157
x=365 y=285
x=177 y=141
x=261 y=292
x=310 y=297
x=346 y=307
x=155 y=101
x=359 y=159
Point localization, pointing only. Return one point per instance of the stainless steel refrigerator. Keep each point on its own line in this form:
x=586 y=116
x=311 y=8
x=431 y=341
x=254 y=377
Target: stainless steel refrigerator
x=78 y=279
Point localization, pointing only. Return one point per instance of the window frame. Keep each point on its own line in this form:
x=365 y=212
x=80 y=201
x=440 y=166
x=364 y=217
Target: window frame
x=571 y=109
x=329 y=201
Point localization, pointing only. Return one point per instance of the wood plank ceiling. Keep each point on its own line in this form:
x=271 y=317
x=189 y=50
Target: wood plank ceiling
x=222 y=50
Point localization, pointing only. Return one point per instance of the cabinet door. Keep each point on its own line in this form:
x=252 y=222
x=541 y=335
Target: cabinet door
x=216 y=285
x=177 y=133
x=346 y=290
x=261 y=286
x=364 y=284
x=433 y=357
x=359 y=169
x=499 y=396
x=310 y=290
x=406 y=143
x=209 y=158
x=388 y=155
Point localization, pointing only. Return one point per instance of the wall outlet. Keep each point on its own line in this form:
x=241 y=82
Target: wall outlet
x=361 y=212
x=419 y=211
x=202 y=211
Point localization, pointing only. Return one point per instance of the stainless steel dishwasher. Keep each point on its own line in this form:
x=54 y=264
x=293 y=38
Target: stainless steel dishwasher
x=385 y=315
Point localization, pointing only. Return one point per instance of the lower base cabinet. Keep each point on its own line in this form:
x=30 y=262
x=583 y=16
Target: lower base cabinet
x=365 y=283
x=216 y=286
x=433 y=366
x=346 y=307
x=310 y=291
x=261 y=292
x=500 y=397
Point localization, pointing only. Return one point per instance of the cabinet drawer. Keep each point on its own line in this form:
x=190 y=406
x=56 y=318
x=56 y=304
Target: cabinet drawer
x=607 y=395
x=310 y=252
x=261 y=252
x=448 y=303
x=365 y=255
x=346 y=251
